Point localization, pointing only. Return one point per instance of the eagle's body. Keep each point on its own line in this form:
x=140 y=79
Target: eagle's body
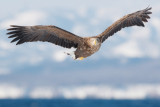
x=86 y=46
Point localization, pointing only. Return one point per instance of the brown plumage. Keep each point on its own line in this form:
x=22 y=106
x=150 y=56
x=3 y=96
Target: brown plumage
x=86 y=46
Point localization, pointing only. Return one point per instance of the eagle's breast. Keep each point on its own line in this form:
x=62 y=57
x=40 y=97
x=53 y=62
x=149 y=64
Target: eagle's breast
x=89 y=47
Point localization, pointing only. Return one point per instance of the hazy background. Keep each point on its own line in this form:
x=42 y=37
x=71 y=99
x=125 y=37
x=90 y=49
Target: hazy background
x=126 y=67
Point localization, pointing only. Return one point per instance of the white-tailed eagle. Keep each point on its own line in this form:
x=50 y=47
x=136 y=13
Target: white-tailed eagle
x=86 y=46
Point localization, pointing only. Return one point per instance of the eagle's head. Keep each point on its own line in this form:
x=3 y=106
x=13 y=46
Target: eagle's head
x=94 y=41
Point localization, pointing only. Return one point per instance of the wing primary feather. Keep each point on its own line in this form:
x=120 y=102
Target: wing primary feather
x=144 y=19
x=14 y=28
x=12 y=36
x=17 y=38
x=20 y=42
x=12 y=32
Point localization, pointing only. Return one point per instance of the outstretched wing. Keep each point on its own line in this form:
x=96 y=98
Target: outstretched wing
x=53 y=34
x=134 y=19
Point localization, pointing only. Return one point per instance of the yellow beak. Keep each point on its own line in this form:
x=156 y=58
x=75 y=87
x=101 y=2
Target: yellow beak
x=95 y=42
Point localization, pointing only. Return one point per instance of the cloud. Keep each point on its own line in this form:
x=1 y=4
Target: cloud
x=31 y=59
x=129 y=49
x=59 y=56
x=82 y=11
x=136 y=43
x=105 y=92
x=109 y=92
x=4 y=71
x=140 y=33
x=80 y=30
x=6 y=45
x=25 y=18
x=139 y=91
x=10 y=91
x=42 y=93
x=156 y=23
x=70 y=16
x=5 y=48
x=101 y=16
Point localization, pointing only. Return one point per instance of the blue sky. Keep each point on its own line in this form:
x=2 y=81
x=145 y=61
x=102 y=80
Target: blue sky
x=130 y=58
